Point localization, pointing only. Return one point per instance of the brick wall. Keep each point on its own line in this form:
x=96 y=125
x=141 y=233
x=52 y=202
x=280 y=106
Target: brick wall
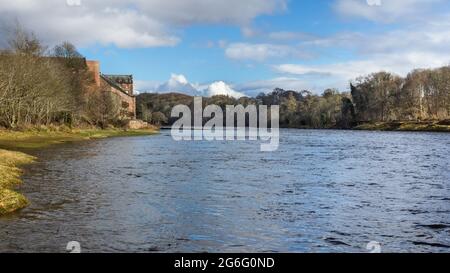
x=127 y=87
x=129 y=100
x=94 y=68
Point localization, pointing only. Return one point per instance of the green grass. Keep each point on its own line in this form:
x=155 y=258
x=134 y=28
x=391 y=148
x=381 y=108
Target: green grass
x=10 y=161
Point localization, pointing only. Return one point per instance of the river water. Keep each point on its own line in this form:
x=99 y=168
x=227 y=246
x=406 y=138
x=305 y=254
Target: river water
x=322 y=191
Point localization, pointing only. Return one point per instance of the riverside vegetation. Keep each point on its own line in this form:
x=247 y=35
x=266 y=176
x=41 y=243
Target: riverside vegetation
x=380 y=101
x=47 y=96
x=41 y=86
x=10 y=178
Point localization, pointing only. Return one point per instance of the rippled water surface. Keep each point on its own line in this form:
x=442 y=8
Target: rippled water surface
x=322 y=191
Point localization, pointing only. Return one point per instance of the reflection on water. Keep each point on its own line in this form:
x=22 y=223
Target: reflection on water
x=322 y=191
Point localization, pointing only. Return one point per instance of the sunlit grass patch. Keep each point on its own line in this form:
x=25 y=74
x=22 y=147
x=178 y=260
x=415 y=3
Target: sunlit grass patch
x=9 y=178
x=35 y=139
x=11 y=201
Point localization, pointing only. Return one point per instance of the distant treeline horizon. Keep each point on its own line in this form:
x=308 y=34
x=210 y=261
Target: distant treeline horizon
x=424 y=94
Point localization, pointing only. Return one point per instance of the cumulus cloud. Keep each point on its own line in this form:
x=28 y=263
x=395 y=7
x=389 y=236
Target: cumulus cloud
x=128 y=23
x=179 y=84
x=237 y=12
x=262 y=52
x=385 y=10
x=421 y=45
x=344 y=72
x=221 y=88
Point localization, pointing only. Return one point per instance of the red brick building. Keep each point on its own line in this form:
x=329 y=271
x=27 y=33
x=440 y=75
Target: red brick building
x=120 y=85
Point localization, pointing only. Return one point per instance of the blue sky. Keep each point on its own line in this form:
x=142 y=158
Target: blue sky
x=243 y=47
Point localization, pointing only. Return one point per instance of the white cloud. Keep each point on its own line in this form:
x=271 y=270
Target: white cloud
x=179 y=84
x=419 y=45
x=343 y=72
x=262 y=52
x=221 y=88
x=387 y=10
x=128 y=23
x=238 y=12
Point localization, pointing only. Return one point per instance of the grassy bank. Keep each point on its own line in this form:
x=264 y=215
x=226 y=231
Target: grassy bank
x=10 y=178
x=33 y=139
x=11 y=160
x=428 y=126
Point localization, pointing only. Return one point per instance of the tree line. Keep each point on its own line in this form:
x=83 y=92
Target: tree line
x=42 y=86
x=380 y=97
x=423 y=95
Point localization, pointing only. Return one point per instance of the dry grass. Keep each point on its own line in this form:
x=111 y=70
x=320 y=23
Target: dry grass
x=9 y=178
x=11 y=201
x=33 y=139
x=405 y=126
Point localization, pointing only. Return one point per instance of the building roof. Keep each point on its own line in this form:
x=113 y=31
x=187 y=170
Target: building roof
x=111 y=80
x=121 y=79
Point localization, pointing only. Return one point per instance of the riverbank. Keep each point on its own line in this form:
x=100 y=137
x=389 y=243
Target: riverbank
x=10 y=178
x=33 y=139
x=425 y=126
x=11 y=160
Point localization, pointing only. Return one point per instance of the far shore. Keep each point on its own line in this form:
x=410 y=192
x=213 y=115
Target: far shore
x=406 y=126
x=11 y=159
x=397 y=126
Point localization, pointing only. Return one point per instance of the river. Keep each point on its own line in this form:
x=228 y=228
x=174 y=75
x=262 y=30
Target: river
x=322 y=191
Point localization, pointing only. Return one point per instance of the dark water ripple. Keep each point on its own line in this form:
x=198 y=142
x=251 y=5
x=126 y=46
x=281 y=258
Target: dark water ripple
x=323 y=191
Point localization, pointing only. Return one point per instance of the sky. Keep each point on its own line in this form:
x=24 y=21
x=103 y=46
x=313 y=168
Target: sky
x=243 y=47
